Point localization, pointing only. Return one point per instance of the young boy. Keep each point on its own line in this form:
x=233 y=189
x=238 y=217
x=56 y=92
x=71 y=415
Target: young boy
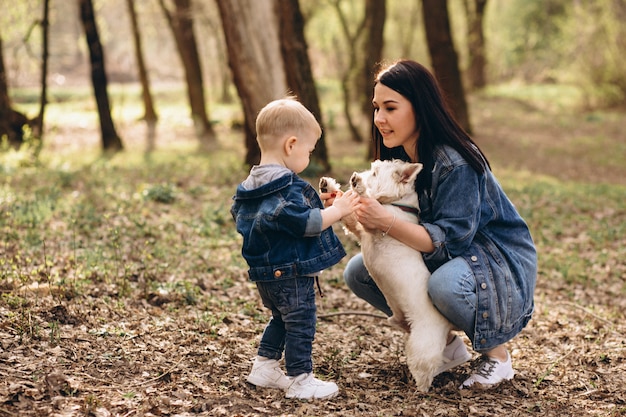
x=287 y=242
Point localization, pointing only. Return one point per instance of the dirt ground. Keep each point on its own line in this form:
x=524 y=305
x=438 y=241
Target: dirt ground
x=101 y=354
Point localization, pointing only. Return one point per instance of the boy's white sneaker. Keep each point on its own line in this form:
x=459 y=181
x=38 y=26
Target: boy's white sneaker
x=266 y=373
x=490 y=372
x=306 y=386
x=454 y=354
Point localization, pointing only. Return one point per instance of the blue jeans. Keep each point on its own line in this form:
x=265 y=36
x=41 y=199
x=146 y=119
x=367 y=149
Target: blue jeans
x=452 y=289
x=292 y=326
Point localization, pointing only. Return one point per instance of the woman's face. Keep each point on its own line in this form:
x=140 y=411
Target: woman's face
x=395 y=119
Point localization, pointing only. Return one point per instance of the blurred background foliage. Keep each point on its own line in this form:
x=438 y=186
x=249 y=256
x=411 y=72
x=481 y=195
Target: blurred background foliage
x=574 y=42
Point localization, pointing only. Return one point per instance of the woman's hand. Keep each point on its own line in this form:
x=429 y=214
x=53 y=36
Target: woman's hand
x=329 y=198
x=372 y=215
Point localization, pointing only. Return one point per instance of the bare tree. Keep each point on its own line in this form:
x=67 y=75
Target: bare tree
x=254 y=56
x=350 y=74
x=299 y=75
x=444 y=58
x=181 y=23
x=475 y=11
x=12 y=122
x=150 y=115
x=111 y=142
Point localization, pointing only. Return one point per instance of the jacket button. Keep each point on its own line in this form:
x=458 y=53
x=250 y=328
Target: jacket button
x=483 y=341
x=485 y=315
x=474 y=258
x=483 y=286
x=277 y=274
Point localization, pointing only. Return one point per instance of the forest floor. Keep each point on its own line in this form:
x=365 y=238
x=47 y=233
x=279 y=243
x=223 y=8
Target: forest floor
x=166 y=324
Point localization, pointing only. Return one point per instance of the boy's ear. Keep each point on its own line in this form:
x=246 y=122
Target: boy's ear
x=289 y=144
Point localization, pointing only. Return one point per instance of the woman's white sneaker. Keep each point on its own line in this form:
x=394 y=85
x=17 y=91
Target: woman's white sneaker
x=266 y=373
x=454 y=354
x=306 y=387
x=490 y=372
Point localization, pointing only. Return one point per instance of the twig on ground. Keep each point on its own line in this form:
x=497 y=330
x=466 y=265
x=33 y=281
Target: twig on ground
x=156 y=378
x=351 y=313
x=549 y=370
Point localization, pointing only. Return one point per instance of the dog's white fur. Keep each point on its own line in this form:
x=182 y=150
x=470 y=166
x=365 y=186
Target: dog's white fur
x=398 y=270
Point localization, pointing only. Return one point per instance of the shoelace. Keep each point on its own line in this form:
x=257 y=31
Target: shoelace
x=486 y=368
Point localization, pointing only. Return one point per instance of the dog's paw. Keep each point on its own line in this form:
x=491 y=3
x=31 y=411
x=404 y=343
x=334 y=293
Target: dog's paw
x=356 y=182
x=329 y=185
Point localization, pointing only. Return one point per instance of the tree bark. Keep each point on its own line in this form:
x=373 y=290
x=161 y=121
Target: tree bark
x=181 y=23
x=11 y=122
x=254 y=56
x=111 y=142
x=475 y=11
x=298 y=70
x=444 y=58
x=375 y=15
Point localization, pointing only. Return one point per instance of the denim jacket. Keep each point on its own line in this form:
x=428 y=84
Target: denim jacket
x=279 y=240
x=467 y=214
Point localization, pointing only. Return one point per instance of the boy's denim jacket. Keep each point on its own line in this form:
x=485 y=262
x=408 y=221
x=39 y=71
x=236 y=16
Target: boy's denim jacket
x=273 y=222
x=468 y=215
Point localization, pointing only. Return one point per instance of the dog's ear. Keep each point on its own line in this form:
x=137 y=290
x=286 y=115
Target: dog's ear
x=409 y=172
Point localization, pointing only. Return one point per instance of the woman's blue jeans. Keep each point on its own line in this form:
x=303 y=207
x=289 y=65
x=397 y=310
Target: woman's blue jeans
x=452 y=289
x=292 y=326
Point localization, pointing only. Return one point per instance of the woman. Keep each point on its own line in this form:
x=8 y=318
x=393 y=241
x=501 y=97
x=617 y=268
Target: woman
x=474 y=242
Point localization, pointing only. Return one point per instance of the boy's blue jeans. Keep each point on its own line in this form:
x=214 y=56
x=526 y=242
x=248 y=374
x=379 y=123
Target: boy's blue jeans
x=292 y=326
x=452 y=289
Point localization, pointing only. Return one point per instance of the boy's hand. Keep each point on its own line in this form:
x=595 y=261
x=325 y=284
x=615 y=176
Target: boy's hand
x=346 y=202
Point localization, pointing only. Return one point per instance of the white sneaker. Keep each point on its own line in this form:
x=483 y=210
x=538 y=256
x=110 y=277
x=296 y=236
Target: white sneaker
x=454 y=354
x=490 y=372
x=266 y=373
x=305 y=386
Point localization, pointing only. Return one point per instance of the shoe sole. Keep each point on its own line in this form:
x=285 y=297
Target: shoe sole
x=453 y=364
x=326 y=397
x=259 y=383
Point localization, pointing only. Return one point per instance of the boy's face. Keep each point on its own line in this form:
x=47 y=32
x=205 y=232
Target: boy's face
x=300 y=149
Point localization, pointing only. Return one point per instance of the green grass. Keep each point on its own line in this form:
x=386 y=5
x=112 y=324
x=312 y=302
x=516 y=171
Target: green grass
x=161 y=224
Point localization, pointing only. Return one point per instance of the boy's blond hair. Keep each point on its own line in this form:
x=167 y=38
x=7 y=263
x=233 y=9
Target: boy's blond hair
x=282 y=118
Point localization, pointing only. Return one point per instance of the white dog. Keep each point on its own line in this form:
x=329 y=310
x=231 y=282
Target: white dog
x=398 y=270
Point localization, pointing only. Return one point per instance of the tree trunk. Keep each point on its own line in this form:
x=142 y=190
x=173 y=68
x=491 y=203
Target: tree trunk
x=45 y=29
x=444 y=58
x=150 y=115
x=181 y=23
x=298 y=70
x=11 y=122
x=475 y=11
x=254 y=56
x=111 y=142
x=375 y=15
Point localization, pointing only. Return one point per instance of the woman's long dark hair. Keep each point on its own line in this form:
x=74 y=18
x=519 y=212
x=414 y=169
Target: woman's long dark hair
x=437 y=126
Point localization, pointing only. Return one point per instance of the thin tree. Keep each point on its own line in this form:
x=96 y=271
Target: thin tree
x=349 y=76
x=150 y=115
x=444 y=58
x=252 y=39
x=298 y=69
x=475 y=12
x=181 y=24
x=111 y=142
x=43 y=100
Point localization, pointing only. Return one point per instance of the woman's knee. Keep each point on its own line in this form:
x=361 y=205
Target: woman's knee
x=353 y=272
